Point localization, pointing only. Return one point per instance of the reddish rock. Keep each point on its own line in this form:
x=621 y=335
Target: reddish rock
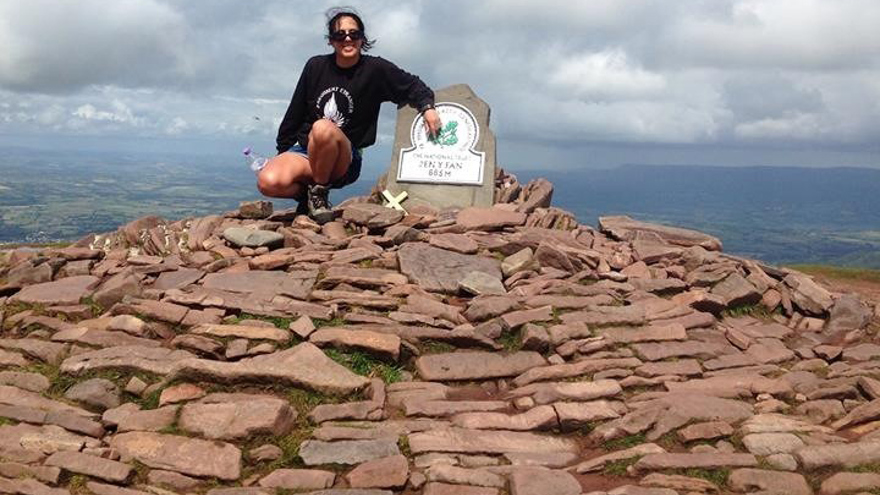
x=387 y=472
x=67 y=291
x=486 y=219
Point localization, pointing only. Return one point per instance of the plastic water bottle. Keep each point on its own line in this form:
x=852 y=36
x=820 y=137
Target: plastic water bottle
x=254 y=160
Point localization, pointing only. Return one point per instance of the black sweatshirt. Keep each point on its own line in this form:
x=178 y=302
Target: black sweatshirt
x=349 y=97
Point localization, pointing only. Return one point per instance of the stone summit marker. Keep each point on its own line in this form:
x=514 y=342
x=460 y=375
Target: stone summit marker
x=457 y=169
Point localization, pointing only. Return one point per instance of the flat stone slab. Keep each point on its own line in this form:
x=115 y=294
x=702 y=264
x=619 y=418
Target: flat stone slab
x=625 y=228
x=303 y=365
x=850 y=482
x=316 y=452
x=234 y=416
x=539 y=481
x=23 y=398
x=476 y=218
x=67 y=291
x=488 y=442
x=439 y=270
x=536 y=418
x=384 y=345
x=768 y=482
x=296 y=284
x=847 y=455
x=298 y=479
x=77 y=462
x=243 y=236
x=545 y=393
x=476 y=365
x=656 y=462
x=184 y=455
x=156 y=360
x=243 y=331
x=101 y=338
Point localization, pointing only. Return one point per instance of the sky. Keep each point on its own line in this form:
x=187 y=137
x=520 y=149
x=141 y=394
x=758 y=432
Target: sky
x=571 y=83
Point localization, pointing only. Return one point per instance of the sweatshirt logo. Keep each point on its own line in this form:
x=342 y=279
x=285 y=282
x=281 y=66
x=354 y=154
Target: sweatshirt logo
x=336 y=105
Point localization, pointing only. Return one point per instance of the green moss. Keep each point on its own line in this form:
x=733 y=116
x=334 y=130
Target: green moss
x=837 y=272
x=366 y=365
x=76 y=483
x=435 y=347
x=336 y=321
x=717 y=476
x=278 y=321
x=7 y=421
x=626 y=442
x=619 y=467
x=94 y=308
x=403 y=445
x=511 y=340
x=873 y=467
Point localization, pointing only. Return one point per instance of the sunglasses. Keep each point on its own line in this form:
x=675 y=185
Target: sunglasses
x=354 y=34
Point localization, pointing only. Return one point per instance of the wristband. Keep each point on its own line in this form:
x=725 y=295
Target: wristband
x=426 y=107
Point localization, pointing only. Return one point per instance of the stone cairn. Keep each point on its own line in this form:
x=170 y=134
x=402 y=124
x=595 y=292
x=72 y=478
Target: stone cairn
x=504 y=350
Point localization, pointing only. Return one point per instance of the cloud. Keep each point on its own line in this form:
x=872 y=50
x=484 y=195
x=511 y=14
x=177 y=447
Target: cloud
x=58 y=47
x=608 y=74
x=691 y=72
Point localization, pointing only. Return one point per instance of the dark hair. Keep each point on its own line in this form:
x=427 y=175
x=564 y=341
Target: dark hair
x=336 y=13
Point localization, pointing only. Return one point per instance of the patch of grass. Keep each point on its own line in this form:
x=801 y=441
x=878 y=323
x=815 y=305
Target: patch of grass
x=717 y=476
x=94 y=308
x=76 y=484
x=278 y=321
x=626 y=442
x=838 y=272
x=336 y=321
x=366 y=365
x=435 y=347
x=511 y=340
x=618 y=468
x=403 y=445
x=872 y=467
x=7 y=421
x=753 y=310
x=368 y=263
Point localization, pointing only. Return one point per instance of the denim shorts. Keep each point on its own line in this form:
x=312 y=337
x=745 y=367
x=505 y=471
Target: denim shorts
x=354 y=168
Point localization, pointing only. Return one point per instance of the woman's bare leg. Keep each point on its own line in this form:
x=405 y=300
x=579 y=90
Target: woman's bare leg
x=329 y=152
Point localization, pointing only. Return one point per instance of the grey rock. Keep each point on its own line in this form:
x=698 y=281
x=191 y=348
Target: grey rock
x=848 y=313
x=736 y=291
x=97 y=393
x=479 y=283
x=246 y=237
x=772 y=443
x=316 y=452
x=438 y=270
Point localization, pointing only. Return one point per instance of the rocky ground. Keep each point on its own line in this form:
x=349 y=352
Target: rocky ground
x=482 y=351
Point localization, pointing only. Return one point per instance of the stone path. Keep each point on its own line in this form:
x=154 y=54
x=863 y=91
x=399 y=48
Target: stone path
x=506 y=350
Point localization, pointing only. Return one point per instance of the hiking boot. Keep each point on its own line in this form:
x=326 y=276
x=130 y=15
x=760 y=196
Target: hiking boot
x=319 y=204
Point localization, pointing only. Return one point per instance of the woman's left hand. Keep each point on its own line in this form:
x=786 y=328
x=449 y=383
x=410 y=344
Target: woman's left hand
x=432 y=122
